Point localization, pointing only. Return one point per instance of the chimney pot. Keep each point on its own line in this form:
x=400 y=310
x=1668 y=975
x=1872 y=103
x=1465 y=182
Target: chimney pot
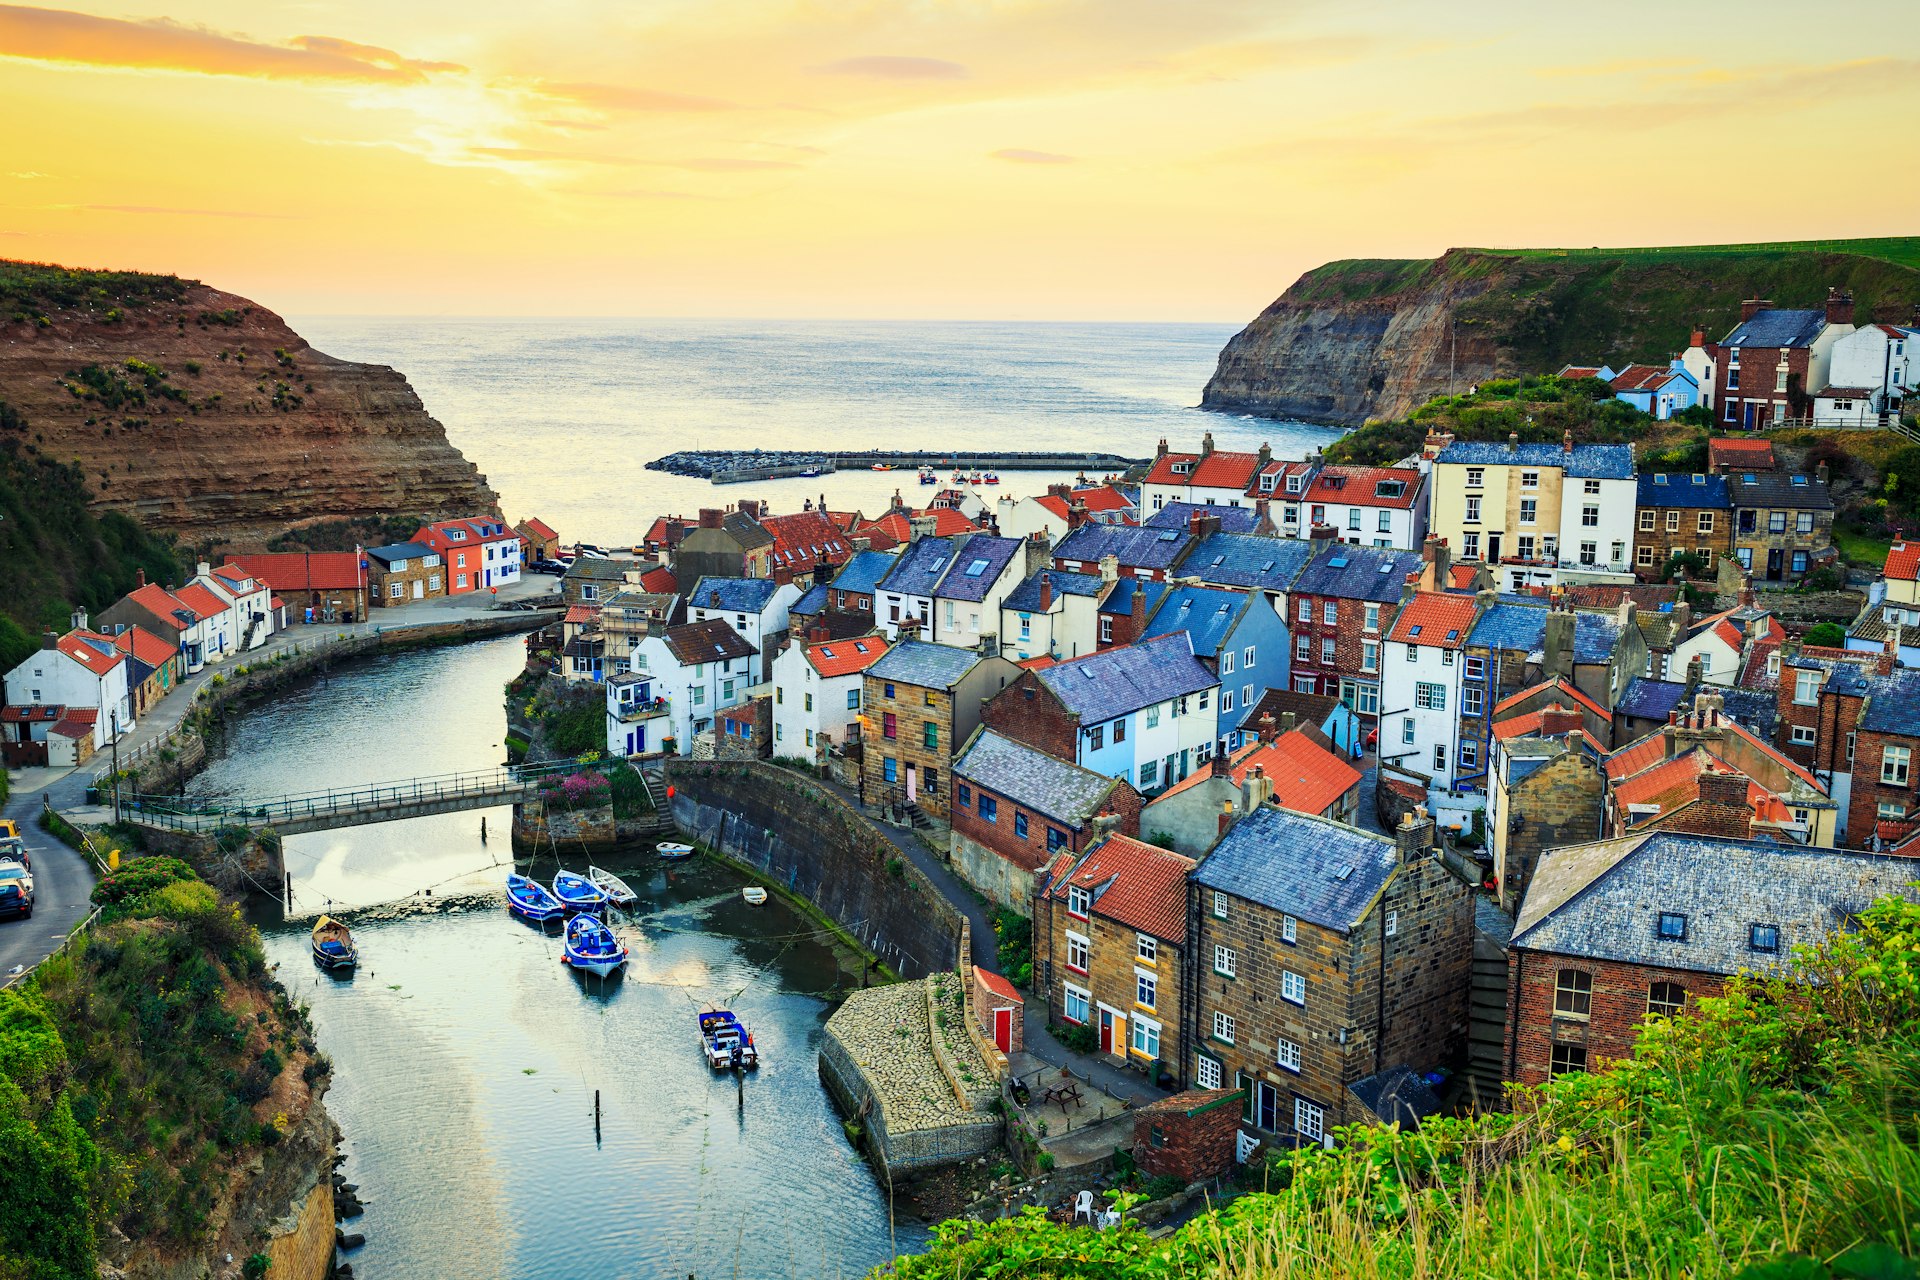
x=1513 y=441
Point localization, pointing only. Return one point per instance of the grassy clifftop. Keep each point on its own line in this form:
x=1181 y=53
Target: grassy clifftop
x=29 y=291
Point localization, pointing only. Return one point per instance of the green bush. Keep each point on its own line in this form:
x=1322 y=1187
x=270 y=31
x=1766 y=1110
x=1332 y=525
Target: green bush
x=630 y=798
x=1014 y=933
x=1077 y=1036
x=1829 y=635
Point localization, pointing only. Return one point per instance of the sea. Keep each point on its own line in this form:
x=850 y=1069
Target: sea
x=562 y=415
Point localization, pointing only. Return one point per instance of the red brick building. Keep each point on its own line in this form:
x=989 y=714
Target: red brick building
x=1341 y=607
x=1766 y=369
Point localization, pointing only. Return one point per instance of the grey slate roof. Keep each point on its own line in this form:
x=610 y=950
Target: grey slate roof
x=603 y=569
x=1778 y=489
x=1587 y=461
x=1757 y=709
x=1033 y=779
x=931 y=666
x=1247 y=560
x=978 y=562
x=1522 y=627
x=813 y=602
x=400 y=551
x=1025 y=598
x=919 y=567
x=1398 y=1095
x=1137 y=548
x=863 y=570
x=1120 y=599
x=1177 y=515
x=1207 y=615
x=1683 y=489
x=1357 y=573
x=1102 y=686
x=1321 y=871
x=1603 y=901
x=1893 y=706
x=737 y=595
x=1778 y=327
x=1649 y=699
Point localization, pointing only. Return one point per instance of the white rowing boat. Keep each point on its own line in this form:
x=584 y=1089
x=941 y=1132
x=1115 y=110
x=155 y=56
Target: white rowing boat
x=754 y=894
x=617 y=890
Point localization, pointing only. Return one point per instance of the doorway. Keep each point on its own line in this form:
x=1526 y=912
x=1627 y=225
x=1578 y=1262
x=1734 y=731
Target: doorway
x=913 y=787
x=1003 y=1029
x=1773 y=565
x=1113 y=1031
x=419 y=589
x=1493 y=554
x=1266 y=1106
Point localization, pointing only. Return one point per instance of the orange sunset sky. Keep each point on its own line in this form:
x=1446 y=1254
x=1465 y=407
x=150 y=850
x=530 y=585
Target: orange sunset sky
x=1095 y=159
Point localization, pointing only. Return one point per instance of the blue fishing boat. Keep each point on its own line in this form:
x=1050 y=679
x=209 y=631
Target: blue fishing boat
x=727 y=1041
x=577 y=893
x=591 y=947
x=333 y=944
x=530 y=899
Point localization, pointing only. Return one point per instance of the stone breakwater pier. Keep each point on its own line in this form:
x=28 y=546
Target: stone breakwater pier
x=735 y=466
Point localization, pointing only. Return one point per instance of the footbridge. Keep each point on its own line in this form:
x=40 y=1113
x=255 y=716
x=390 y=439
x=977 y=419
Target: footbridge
x=350 y=806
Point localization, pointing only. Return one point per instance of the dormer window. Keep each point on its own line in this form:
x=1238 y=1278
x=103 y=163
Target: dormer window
x=1079 y=901
x=1182 y=468
x=1293 y=484
x=1266 y=483
x=1763 y=937
x=1673 y=926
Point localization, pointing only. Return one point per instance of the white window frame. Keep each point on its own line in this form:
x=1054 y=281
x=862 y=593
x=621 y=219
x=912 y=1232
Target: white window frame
x=1293 y=987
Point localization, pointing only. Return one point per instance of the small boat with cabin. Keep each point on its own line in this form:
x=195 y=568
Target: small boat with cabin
x=530 y=900
x=992 y=478
x=673 y=851
x=727 y=1041
x=975 y=478
x=929 y=476
x=755 y=895
x=882 y=466
x=577 y=893
x=333 y=944
x=591 y=947
x=616 y=889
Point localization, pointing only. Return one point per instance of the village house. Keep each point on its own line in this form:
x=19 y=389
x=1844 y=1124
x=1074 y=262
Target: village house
x=807 y=546
x=1420 y=685
x=1015 y=809
x=1783 y=522
x=724 y=544
x=755 y=607
x=1342 y=602
x=844 y=605
x=82 y=670
x=1729 y=644
x=1615 y=931
x=1900 y=575
x=481 y=553
x=1337 y=722
x=1237 y=636
x=332 y=584
x=1367 y=506
x=639 y=718
x=1052 y=613
x=538 y=541
x=403 y=572
x=1061 y=509
x=154 y=608
x=817 y=684
x=921 y=702
x=1145 y=712
x=627 y=617
x=1525 y=711
x=1536 y=510
x=1323 y=955
x=1872 y=371
x=248 y=599
x=1110 y=938
x=1547 y=788
x=214 y=610
x=1769 y=365
x=153 y=667
x=1211 y=477
x=589 y=580
x=1124 y=607
x=1248 y=562
x=949 y=590
x=701 y=669
x=1136 y=552
x=900 y=526
x=1678 y=515
x=1660 y=391
x=1288 y=764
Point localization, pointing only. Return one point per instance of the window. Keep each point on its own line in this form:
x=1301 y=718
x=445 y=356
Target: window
x=1096 y=737
x=1153 y=716
x=1646 y=521
x=1777 y=522
x=1643 y=555
x=1225 y=961
x=1529 y=510
x=1219 y=905
x=1891 y=811
x=1439 y=757
x=1150 y=774
x=1529 y=479
x=890 y=772
x=1806 y=687
x=1430 y=697
x=1406 y=730
x=963 y=795
x=1309 y=1121
x=1226 y=700
x=1303 y=647
x=1476 y=477
x=809 y=704
x=1590 y=515
x=1326 y=649
x=1471 y=699
x=1075 y=1005
x=699 y=696
x=1895 y=765
x=1473 y=511
x=1293 y=987
x=1019 y=824
x=1803 y=523
x=1286 y=1056
x=1525 y=547
x=1369 y=655
x=1799 y=562
x=1569 y=1058
x=394 y=589
x=1147 y=949
x=1470 y=546
x=1446 y=657
x=1056 y=840
x=888 y=727
x=1764 y=937
x=1372 y=621
x=1353 y=517
x=1247 y=657
x=1673 y=926
x=930 y=735
x=853 y=699
x=989 y=808
x=1226 y=664
x=1206 y=1071
x=1665 y=998
x=1802 y=735
x=1077 y=951
x=1146 y=1037
x=1306 y=610
x=1573 y=994
x=1589 y=553
x=1222 y=1027
x=1706 y=522
x=1386 y=522
x=1673 y=522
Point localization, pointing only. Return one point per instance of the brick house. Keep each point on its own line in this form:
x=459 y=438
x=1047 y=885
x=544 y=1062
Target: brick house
x=1321 y=955
x=1783 y=522
x=481 y=553
x=1677 y=514
x=153 y=666
x=1766 y=368
x=1192 y=1136
x=1015 y=808
x=1615 y=931
x=331 y=583
x=1110 y=939
x=1548 y=788
x=1342 y=604
x=538 y=541
x=402 y=572
x=919 y=703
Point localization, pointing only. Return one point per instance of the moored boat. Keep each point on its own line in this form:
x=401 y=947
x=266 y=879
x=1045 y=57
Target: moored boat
x=616 y=889
x=591 y=947
x=992 y=478
x=673 y=851
x=754 y=894
x=727 y=1041
x=332 y=944
x=929 y=477
x=577 y=893
x=530 y=899
x=882 y=466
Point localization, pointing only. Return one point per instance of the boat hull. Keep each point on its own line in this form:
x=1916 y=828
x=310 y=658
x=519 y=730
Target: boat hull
x=598 y=966
x=328 y=960
x=671 y=852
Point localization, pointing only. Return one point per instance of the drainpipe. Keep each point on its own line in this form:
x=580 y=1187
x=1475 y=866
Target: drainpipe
x=1513 y=1019
x=1380 y=1012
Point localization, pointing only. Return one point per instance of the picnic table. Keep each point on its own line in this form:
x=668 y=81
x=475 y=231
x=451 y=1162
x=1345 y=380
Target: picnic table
x=1063 y=1094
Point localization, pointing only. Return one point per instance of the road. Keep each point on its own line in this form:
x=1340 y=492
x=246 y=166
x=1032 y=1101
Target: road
x=62 y=882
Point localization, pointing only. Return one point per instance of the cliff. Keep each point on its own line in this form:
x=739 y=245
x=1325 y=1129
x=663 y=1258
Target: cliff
x=202 y=414
x=1377 y=338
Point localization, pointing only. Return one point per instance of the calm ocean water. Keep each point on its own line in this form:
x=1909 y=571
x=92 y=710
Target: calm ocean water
x=562 y=414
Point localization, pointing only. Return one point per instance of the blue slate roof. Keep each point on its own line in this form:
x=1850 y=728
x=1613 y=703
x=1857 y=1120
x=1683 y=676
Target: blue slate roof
x=400 y=551
x=1523 y=627
x=1033 y=779
x=1102 y=686
x=1177 y=515
x=1120 y=599
x=738 y=595
x=1025 y=598
x=1357 y=573
x=1247 y=560
x=932 y=666
x=1587 y=461
x=813 y=602
x=920 y=567
x=1779 y=327
x=1757 y=709
x=1320 y=871
x=1681 y=489
x=1649 y=699
x=978 y=562
x=1893 y=703
x=1604 y=900
x=863 y=571
x=1205 y=614
x=1138 y=548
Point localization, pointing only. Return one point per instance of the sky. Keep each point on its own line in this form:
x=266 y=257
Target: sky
x=1154 y=160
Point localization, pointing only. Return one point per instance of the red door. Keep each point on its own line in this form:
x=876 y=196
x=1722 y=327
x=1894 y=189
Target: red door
x=1003 y=1029
x=1106 y=1032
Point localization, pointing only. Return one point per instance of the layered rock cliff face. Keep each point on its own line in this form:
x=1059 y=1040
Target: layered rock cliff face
x=202 y=414
x=1367 y=339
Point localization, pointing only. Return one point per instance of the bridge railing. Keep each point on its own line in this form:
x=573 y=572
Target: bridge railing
x=174 y=811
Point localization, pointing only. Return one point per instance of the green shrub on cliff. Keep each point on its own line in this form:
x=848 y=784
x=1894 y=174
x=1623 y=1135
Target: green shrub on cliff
x=1773 y=1132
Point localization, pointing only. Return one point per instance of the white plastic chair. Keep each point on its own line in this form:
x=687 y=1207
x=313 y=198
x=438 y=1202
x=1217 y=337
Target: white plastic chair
x=1083 y=1204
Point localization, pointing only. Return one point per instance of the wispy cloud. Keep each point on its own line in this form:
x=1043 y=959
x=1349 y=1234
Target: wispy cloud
x=543 y=155
x=26 y=175
x=891 y=67
x=159 y=44
x=1021 y=155
x=729 y=164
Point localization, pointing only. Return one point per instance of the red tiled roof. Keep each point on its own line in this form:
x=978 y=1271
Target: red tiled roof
x=1636 y=756
x=996 y=984
x=539 y=528
x=1162 y=471
x=144 y=645
x=1670 y=783
x=1746 y=455
x=1099 y=499
x=160 y=602
x=86 y=648
x=804 y=537
x=1148 y=892
x=1638 y=377
x=28 y=713
x=580 y=613
x=1461 y=576
x=1558 y=685
x=947 y=523
x=201 y=601
x=661 y=581
x=1903 y=562
x=844 y=657
x=78 y=722
x=1040 y=663
x=1307 y=777
x=1357 y=486
x=1443 y=621
x=1577 y=371
x=471 y=526
x=1224 y=470
x=292 y=571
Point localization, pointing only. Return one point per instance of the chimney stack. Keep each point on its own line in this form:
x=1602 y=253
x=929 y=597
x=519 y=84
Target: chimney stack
x=1728 y=790
x=1839 y=306
x=919 y=527
x=1206 y=445
x=1046 y=592
x=1746 y=591
x=1266 y=727
x=50 y=640
x=1751 y=307
x=709 y=517
x=1414 y=836
x=1226 y=818
x=1076 y=515
x=1323 y=533
x=1059 y=491
x=1436 y=443
x=1265 y=455
x=1559 y=644
x=79 y=618
x=1513 y=442
x=1698 y=338
x=1557 y=720
x=1161 y=451
x=1566 y=440
x=202 y=569
x=1109 y=568
x=139 y=578
x=1256 y=788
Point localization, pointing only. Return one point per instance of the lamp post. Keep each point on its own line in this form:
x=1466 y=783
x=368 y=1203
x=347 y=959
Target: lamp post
x=114 y=718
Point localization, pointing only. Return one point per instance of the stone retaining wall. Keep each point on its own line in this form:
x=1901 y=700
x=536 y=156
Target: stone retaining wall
x=968 y=1074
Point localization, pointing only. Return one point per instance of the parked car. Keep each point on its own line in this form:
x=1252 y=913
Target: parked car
x=546 y=566
x=16 y=895
x=15 y=848
x=13 y=871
